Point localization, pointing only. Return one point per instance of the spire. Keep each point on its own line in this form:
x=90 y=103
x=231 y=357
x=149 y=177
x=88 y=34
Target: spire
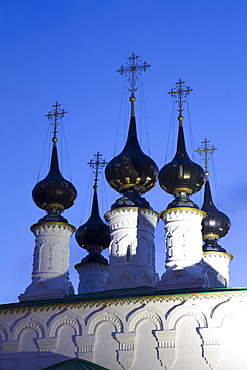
x=216 y=225
x=132 y=70
x=132 y=171
x=94 y=234
x=181 y=176
x=97 y=163
x=54 y=193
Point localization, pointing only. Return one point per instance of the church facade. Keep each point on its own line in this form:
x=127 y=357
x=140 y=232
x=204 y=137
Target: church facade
x=125 y=316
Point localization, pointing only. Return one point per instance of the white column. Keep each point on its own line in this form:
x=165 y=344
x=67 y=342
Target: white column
x=92 y=277
x=50 y=277
x=132 y=249
x=184 y=263
x=217 y=268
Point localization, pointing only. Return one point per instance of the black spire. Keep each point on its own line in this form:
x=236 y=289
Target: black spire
x=54 y=193
x=94 y=235
x=215 y=226
x=181 y=177
x=132 y=172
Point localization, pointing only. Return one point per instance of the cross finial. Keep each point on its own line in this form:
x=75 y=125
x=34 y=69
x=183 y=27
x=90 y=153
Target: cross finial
x=55 y=114
x=97 y=163
x=180 y=92
x=205 y=149
x=133 y=69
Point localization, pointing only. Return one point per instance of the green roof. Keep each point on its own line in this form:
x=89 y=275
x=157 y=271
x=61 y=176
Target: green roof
x=118 y=294
x=75 y=364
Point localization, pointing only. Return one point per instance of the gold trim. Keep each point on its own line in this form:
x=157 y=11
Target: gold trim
x=180 y=209
x=129 y=185
x=211 y=236
x=131 y=208
x=226 y=254
x=142 y=300
x=52 y=223
x=185 y=190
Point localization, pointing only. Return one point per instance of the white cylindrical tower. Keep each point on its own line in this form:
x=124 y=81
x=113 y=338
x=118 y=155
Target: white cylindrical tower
x=216 y=267
x=182 y=177
x=184 y=265
x=131 y=219
x=50 y=277
x=94 y=236
x=132 y=249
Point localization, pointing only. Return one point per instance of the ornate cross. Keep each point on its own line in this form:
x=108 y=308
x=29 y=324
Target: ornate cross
x=180 y=92
x=55 y=114
x=133 y=69
x=97 y=163
x=205 y=149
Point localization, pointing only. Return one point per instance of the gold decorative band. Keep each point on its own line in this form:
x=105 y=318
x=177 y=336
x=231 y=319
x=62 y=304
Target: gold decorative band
x=182 y=190
x=230 y=256
x=186 y=209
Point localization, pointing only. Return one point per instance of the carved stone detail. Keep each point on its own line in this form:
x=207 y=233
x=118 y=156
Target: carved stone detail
x=211 y=346
x=85 y=344
x=126 y=352
x=47 y=344
x=166 y=348
x=10 y=346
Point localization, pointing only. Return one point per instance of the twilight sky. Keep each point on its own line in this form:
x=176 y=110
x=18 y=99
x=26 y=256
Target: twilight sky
x=68 y=51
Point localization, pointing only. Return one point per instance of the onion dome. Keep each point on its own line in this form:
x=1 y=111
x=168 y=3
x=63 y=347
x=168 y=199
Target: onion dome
x=181 y=175
x=54 y=192
x=94 y=234
x=215 y=226
x=132 y=170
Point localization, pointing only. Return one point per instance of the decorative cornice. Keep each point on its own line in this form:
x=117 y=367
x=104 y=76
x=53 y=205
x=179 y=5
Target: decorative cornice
x=226 y=294
x=129 y=209
x=219 y=254
x=181 y=209
x=53 y=225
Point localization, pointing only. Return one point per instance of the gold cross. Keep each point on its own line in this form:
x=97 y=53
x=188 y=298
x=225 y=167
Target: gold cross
x=55 y=114
x=97 y=163
x=133 y=69
x=180 y=92
x=205 y=149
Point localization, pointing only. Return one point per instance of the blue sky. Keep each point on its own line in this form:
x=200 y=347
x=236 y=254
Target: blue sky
x=68 y=51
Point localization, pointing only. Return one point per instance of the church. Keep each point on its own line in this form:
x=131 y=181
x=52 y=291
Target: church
x=124 y=315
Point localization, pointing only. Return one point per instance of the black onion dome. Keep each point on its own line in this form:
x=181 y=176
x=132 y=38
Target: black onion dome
x=94 y=232
x=181 y=174
x=54 y=190
x=132 y=169
x=216 y=225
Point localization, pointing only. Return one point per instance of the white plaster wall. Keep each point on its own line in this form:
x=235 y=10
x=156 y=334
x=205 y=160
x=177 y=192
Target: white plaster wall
x=190 y=331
